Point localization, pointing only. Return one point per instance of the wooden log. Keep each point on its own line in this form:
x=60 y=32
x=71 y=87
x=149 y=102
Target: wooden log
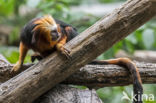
x=68 y=94
x=96 y=76
x=64 y=93
x=84 y=48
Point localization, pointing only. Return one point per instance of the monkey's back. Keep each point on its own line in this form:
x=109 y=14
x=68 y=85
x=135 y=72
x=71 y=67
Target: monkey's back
x=27 y=33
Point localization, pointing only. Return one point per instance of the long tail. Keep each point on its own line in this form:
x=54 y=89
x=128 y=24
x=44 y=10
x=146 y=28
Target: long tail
x=137 y=83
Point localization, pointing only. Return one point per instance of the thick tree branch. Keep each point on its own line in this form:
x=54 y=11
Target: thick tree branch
x=63 y=93
x=93 y=76
x=96 y=76
x=68 y=94
x=85 y=47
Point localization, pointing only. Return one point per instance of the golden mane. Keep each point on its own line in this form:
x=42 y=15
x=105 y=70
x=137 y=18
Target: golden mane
x=45 y=23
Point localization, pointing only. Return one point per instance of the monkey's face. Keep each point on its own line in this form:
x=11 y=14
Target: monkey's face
x=47 y=27
x=55 y=35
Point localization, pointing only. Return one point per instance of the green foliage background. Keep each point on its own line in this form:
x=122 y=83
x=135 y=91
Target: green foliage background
x=143 y=38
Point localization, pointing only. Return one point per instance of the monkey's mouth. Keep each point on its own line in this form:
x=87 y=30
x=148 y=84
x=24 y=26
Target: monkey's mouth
x=56 y=37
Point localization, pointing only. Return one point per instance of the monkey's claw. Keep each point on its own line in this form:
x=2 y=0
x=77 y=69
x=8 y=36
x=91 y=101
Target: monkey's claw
x=15 y=68
x=66 y=52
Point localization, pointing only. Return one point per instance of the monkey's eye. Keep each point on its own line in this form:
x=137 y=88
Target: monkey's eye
x=53 y=31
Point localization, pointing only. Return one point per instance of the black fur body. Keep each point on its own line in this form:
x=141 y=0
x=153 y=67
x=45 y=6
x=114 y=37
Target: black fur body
x=27 y=33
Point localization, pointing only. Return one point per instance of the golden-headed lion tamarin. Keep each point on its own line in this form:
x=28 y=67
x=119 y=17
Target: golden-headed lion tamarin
x=45 y=35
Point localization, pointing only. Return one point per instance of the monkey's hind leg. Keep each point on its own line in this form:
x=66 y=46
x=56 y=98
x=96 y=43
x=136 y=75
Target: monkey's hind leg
x=125 y=62
x=22 y=53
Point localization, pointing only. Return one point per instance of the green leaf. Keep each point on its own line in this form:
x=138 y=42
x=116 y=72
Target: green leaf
x=6 y=7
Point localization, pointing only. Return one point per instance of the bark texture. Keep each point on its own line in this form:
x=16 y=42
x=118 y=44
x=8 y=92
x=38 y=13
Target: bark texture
x=68 y=94
x=61 y=93
x=94 y=76
x=41 y=77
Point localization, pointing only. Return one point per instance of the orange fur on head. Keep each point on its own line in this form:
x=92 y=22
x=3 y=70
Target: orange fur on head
x=45 y=25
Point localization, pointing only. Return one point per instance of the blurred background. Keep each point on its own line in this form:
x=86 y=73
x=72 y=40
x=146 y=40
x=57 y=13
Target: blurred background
x=140 y=45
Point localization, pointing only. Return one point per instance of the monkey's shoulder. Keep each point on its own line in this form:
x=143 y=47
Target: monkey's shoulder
x=67 y=29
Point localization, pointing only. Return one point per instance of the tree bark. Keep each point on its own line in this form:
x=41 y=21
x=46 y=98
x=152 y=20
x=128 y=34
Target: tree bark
x=94 y=76
x=68 y=94
x=39 y=78
x=63 y=93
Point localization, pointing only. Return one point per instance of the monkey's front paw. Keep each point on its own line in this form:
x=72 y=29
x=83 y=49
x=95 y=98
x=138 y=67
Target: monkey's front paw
x=66 y=52
x=16 y=68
